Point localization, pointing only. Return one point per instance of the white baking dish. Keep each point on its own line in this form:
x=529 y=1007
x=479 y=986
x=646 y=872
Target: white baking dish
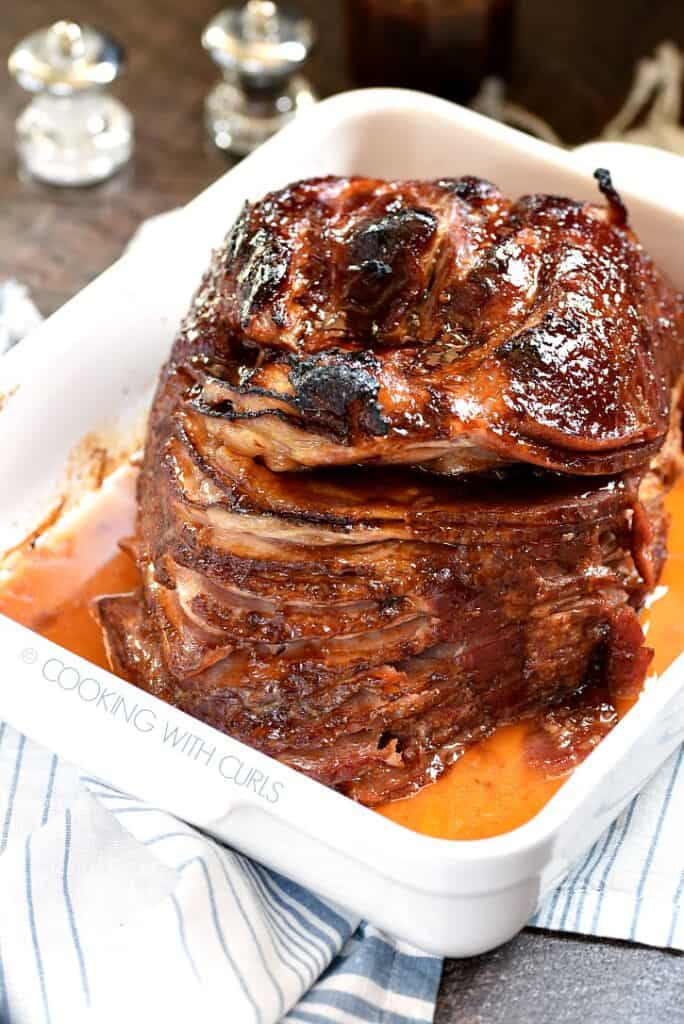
x=91 y=367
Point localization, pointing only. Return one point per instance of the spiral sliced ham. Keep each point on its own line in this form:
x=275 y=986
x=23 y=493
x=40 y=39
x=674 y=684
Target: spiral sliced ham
x=404 y=475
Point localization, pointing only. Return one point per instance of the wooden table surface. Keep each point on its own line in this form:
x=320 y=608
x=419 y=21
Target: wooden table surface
x=572 y=65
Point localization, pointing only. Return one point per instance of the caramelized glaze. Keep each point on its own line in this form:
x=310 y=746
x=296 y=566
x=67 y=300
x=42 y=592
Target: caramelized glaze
x=350 y=321
x=498 y=784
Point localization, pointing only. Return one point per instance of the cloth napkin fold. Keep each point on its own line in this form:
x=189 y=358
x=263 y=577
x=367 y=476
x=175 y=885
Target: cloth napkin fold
x=114 y=910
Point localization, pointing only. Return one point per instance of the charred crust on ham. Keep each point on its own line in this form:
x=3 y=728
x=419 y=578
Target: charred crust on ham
x=378 y=253
x=470 y=188
x=266 y=263
x=616 y=205
x=334 y=386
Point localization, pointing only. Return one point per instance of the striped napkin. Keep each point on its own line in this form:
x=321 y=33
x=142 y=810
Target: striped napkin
x=112 y=910
x=630 y=885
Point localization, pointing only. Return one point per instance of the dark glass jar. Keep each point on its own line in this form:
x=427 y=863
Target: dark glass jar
x=441 y=46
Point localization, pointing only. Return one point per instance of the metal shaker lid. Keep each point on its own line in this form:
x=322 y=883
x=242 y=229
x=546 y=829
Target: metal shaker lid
x=259 y=39
x=66 y=58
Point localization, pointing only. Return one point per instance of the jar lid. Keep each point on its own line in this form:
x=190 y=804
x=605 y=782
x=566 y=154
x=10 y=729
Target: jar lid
x=66 y=58
x=258 y=38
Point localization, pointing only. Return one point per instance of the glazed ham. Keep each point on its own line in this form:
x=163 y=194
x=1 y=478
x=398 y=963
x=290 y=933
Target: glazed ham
x=435 y=324
x=404 y=475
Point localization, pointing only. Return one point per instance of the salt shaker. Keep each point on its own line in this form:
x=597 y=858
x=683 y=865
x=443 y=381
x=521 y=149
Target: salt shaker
x=72 y=132
x=260 y=49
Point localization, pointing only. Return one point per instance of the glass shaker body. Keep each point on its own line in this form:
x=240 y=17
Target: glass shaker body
x=80 y=139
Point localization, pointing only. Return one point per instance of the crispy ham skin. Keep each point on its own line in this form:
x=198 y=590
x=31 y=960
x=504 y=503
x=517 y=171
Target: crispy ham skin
x=404 y=475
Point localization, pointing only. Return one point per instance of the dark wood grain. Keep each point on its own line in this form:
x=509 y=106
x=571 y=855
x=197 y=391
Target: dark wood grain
x=573 y=63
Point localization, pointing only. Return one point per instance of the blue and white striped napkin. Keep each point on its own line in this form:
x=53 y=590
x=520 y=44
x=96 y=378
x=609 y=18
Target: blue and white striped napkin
x=112 y=910
x=630 y=885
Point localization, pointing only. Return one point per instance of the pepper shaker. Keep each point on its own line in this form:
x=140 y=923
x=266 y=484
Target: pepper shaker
x=260 y=50
x=72 y=132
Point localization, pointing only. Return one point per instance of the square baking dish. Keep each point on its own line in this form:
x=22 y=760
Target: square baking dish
x=89 y=371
